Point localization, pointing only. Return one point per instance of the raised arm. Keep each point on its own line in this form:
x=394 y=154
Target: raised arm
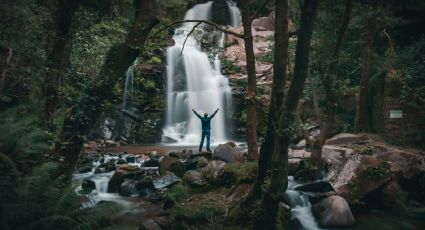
x=214 y=114
x=196 y=113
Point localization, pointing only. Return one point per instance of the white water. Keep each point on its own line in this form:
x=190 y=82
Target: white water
x=234 y=13
x=101 y=180
x=124 y=124
x=301 y=206
x=194 y=82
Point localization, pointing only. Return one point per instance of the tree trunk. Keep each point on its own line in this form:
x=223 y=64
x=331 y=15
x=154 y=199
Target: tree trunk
x=277 y=95
x=251 y=110
x=286 y=115
x=82 y=118
x=328 y=120
x=362 y=112
x=59 y=57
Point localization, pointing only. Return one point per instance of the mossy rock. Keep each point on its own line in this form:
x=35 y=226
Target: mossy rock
x=236 y=173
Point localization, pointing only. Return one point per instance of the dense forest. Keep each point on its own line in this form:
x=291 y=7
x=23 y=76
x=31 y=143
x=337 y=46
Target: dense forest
x=315 y=110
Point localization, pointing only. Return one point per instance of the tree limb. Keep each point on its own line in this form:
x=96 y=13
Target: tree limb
x=188 y=35
x=218 y=27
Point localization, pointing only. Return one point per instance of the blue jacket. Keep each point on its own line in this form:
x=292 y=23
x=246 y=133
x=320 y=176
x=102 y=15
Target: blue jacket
x=206 y=121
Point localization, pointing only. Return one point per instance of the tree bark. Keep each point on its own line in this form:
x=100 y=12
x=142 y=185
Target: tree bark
x=251 y=120
x=277 y=95
x=59 y=57
x=362 y=112
x=82 y=118
x=286 y=115
x=328 y=119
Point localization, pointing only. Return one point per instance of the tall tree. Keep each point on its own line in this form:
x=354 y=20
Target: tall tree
x=82 y=118
x=327 y=77
x=362 y=112
x=251 y=110
x=277 y=95
x=59 y=56
x=286 y=116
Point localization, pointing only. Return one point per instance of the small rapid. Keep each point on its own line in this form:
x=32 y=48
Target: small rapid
x=301 y=206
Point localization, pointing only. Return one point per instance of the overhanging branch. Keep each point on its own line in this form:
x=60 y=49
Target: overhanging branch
x=217 y=26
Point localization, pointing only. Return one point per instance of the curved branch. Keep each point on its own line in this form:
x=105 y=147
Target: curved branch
x=217 y=26
x=188 y=35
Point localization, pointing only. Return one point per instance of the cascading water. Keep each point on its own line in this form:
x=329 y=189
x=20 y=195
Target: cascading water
x=301 y=206
x=125 y=122
x=234 y=13
x=194 y=82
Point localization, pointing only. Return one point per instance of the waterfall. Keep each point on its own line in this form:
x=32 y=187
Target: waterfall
x=235 y=14
x=124 y=124
x=194 y=82
x=301 y=206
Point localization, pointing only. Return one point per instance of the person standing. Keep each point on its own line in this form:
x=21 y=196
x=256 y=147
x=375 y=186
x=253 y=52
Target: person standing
x=206 y=128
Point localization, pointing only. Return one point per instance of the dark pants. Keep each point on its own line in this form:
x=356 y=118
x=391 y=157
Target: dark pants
x=205 y=133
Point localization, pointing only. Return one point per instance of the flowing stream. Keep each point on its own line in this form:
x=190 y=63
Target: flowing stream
x=101 y=180
x=194 y=80
x=301 y=206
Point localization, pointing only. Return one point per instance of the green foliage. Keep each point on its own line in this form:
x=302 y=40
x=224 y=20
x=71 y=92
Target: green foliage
x=177 y=192
x=197 y=212
x=268 y=57
x=413 y=81
x=229 y=67
x=236 y=173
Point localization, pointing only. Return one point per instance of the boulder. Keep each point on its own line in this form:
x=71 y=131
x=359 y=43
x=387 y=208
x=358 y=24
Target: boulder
x=213 y=171
x=319 y=186
x=181 y=155
x=333 y=212
x=122 y=173
x=229 y=153
x=88 y=185
x=300 y=145
x=153 y=162
x=171 y=164
x=128 y=188
x=85 y=169
x=197 y=162
x=166 y=180
x=153 y=154
x=360 y=175
x=131 y=159
x=105 y=167
x=207 y=155
x=193 y=178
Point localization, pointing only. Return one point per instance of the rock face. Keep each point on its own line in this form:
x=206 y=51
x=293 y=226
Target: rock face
x=213 y=171
x=359 y=176
x=171 y=164
x=333 y=212
x=229 y=153
x=128 y=188
x=360 y=164
x=123 y=172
